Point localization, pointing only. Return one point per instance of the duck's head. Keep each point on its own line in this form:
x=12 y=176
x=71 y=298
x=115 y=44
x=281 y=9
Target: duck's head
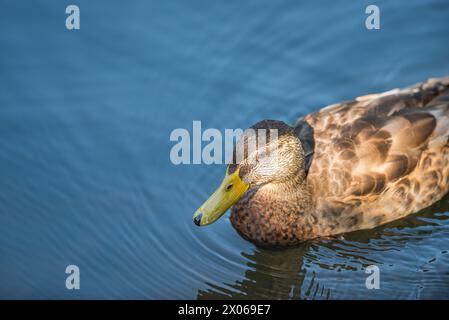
x=267 y=153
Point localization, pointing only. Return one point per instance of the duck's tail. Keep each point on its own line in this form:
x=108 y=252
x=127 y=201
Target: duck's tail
x=434 y=92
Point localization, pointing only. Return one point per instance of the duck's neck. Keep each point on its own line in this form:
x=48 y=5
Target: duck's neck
x=278 y=213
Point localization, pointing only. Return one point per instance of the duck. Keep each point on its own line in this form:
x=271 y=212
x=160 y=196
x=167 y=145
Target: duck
x=350 y=166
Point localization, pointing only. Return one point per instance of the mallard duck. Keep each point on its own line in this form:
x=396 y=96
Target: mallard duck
x=350 y=166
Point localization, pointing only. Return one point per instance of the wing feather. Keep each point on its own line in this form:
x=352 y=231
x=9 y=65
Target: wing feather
x=377 y=140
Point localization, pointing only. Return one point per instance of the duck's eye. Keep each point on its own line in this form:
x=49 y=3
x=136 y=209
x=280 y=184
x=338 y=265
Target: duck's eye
x=228 y=187
x=231 y=168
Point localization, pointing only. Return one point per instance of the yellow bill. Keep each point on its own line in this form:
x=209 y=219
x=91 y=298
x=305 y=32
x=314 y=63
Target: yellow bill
x=231 y=189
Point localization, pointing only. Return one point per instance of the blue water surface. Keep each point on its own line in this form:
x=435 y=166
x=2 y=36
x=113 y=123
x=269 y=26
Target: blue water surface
x=85 y=121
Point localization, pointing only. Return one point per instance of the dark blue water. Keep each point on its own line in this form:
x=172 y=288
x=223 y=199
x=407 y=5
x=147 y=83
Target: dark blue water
x=85 y=120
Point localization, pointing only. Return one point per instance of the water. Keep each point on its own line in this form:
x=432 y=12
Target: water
x=85 y=119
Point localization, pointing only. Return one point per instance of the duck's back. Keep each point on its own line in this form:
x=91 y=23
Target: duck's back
x=379 y=157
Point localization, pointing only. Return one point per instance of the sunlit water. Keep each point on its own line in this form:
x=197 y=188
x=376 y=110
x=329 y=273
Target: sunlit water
x=85 y=119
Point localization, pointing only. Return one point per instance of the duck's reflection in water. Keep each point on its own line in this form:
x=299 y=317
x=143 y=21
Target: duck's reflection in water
x=317 y=268
x=273 y=274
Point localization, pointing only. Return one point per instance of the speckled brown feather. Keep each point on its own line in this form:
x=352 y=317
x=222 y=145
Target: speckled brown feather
x=368 y=161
